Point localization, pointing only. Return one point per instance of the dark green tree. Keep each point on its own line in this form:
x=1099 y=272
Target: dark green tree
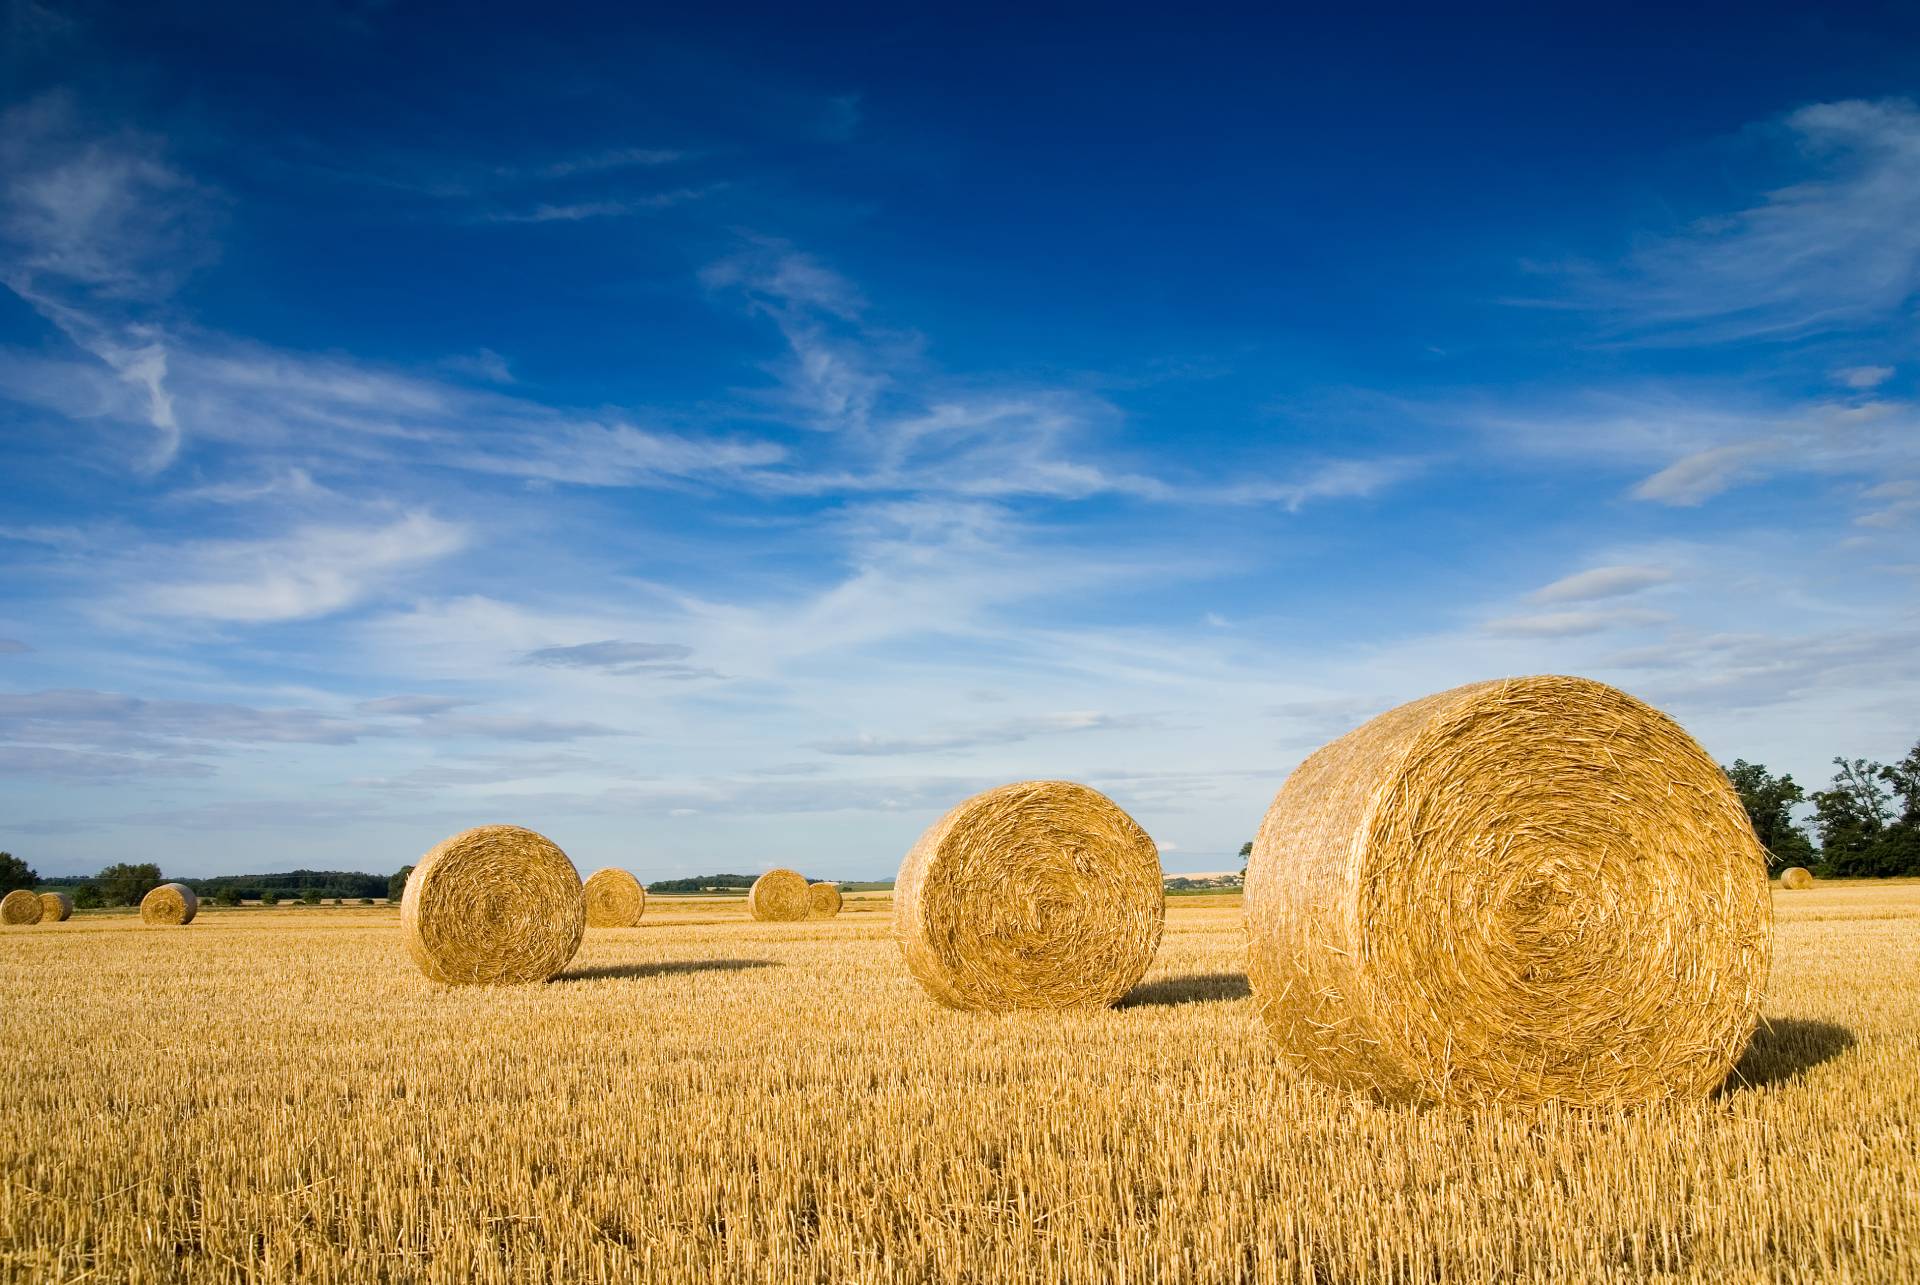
x=124 y=883
x=1902 y=855
x=15 y=873
x=228 y=895
x=87 y=897
x=397 y=884
x=310 y=896
x=269 y=898
x=1769 y=802
x=1852 y=816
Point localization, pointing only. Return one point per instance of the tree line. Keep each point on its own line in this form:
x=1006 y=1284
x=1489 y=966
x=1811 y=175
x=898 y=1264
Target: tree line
x=1865 y=824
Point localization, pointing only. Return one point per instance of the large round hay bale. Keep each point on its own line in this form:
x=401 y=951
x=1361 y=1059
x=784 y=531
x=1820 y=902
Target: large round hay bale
x=1525 y=890
x=55 y=907
x=21 y=906
x=497 y=903
x=1040 y=894
x=780 y=896
x=824 y=900
x=615 y=899
x=170 y=904
x=1796 y=877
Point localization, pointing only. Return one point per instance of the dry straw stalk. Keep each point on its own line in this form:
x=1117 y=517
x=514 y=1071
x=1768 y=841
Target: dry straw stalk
x=1796 y=877
x=615 y=899
x=824 y=899
x=55 y=907
x=170 y=904
x=1524 y=890
x=780 y=895
x=21 y=906
x=1040 y=894
x=497 y=903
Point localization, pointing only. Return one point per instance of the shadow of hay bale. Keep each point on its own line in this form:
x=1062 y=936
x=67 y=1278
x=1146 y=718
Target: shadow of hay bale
x=664 y=970
x=1197 y=988
x=1782 y=1051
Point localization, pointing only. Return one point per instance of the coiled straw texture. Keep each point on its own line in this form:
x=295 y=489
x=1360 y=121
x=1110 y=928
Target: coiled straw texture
x=1796 y=878
x=780 y=895
x=495 y=904
x=20 y=907
x=615 y=899
x=824 y=899
x=170 y=904
x=1040 y=894
x=55 y=907
x=1526 y=890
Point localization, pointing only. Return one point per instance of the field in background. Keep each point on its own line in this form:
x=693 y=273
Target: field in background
x=280 y=1096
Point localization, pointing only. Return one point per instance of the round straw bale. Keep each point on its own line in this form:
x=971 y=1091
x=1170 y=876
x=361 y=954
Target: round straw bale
x=1040 y=894
x=824 y=898
x=780 y=895
x=615 y=899
x=1796 y=877
x=1525 y=890
x=55 y=907
x=170 y=903
x=21 y=906
x=497 y=903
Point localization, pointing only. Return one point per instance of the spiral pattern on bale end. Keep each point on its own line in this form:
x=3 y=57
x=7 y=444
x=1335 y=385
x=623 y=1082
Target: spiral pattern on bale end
x=55 y=907
x=1040 y=894
x=170 y=904
x=497 y=903
x=824 y=898
x=615 y=899
x=780 y=896
x=20 y=907
x=1795 y=878
x=1525 y=890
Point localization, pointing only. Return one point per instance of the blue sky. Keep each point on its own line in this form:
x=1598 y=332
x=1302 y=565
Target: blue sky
x=728 y=441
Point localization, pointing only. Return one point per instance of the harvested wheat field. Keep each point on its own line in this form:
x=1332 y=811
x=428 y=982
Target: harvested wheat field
x=281 y=1096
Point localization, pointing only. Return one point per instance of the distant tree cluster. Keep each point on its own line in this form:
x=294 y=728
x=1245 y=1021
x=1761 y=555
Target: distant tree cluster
x=704 y=883
x=1867 y=821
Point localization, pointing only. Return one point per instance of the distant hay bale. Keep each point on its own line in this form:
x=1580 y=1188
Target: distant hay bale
x=170 y=904
x=780 y=896
x=497 y=903
x=20 y=906
x=824 y=898
x=615 y=899
x=1796 y=877
x=1040 y=894
x=55 y=907
x=1525 y=890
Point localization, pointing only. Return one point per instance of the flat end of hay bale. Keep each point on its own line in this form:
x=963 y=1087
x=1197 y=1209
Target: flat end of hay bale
x=780 y=896
x=1039 y=894
x=615 y=899
x=1525 y=890
x=495 y=904
x=824 y=899
x=21 y=907
x=55 y=907
x=169 y=905
x=1796 y=878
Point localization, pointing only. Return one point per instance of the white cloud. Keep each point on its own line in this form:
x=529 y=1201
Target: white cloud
x=1602 y=582
x=1863 y=377
x=1007 y=732
x=1570 y=624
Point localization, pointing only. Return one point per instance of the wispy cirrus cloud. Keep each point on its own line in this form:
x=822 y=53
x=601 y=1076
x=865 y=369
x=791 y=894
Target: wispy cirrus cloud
x=1007 y=732
x=1602 y=582
x=619 y=657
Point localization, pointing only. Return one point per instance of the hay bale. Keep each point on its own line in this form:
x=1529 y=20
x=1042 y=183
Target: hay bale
x=1525 y=890
x=21 y=906
x=1795 y=878
x=1040 y=894
x=615 y=899
x=169 y=904
x=497 y=903
x=780 y=896
x=55 y=907
x=824 y=898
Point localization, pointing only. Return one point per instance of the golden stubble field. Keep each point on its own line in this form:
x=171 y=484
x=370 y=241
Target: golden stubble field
x=279 y=1096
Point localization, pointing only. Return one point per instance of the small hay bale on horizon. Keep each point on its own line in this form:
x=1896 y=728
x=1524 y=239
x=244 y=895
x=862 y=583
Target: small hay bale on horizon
x=824 y=900
x=494 y=904
x=1795 y=878
x=55 y=907
x=1034 y=895
x=1528 y=890
x=615 y=899
x=21 y=907
x=780 y=896
x=169 y=905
